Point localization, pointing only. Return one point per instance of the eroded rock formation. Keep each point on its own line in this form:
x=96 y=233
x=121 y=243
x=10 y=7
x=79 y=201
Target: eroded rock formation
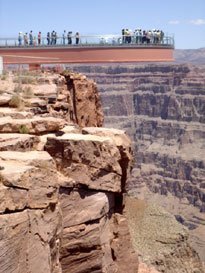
x=61 y=186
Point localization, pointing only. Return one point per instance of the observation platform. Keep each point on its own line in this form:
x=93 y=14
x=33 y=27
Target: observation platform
x=90 y=49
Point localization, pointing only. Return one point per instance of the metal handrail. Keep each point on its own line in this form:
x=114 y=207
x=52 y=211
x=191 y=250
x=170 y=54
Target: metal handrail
x=85 y=40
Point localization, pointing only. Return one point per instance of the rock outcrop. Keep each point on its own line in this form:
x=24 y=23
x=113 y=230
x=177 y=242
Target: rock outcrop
x=162 y=109
x=61 y=185
x=69 y=96
x=86 y=106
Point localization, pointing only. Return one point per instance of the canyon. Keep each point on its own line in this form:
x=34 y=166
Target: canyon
x=162 y=108
x=65 y=179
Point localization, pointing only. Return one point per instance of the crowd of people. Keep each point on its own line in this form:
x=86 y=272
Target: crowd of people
x=140 y=36
x=127 y=36
x=27 y=39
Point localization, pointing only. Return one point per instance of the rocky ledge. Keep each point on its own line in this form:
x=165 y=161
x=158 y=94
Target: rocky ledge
x=60 y=212
x=62 y=184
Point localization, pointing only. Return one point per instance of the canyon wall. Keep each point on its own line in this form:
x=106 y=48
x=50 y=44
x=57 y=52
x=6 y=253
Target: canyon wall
x=162 y=108
x=62 y=184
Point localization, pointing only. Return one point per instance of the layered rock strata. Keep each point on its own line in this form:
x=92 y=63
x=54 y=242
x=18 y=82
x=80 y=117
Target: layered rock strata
x=70 y=96
x=64 y=216
x=61 y=187
x=162 y=109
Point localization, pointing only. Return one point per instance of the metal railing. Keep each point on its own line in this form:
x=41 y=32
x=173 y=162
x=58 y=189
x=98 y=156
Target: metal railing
x=94 y=40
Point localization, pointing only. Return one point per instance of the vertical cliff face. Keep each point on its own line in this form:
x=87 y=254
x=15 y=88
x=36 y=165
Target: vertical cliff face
x=61 y=186
x=95 y=235
x=162 y=109
x=85 y=105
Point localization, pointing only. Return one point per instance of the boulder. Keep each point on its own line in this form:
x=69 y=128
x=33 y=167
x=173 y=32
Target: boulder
x=90 y=160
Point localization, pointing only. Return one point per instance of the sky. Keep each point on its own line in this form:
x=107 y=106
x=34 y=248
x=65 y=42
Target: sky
x=185 y=19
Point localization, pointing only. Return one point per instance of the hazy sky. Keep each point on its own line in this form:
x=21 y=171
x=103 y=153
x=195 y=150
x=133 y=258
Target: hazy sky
x=185 y=19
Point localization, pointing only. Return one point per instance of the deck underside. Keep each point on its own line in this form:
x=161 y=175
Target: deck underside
x=85 y=55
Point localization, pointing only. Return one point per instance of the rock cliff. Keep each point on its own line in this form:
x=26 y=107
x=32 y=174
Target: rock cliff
x=61 y=183
x=162 y=108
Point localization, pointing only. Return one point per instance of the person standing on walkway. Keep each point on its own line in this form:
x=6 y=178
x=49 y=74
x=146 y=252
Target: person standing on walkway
x=25 y=38
x=48 y=38
x=64 y=37
x=123 y=35
x=34 y=41
x=31 y=38
x=55 y=38
x=77 y=38
x=20 y=38
x=39 y=38
x=69 y=36
x=53 y=34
